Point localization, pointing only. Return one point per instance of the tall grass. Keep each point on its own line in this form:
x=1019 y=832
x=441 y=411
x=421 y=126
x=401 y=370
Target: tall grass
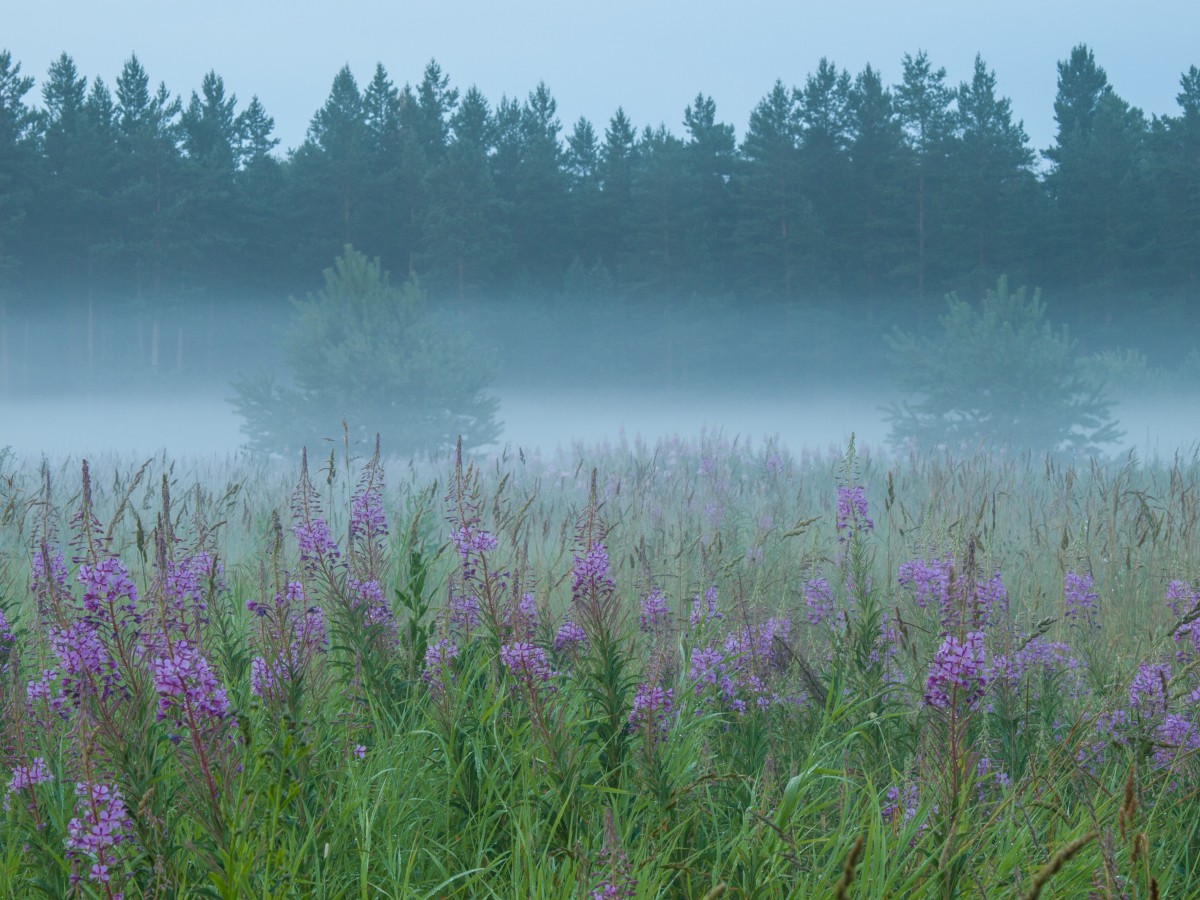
x=699 y=668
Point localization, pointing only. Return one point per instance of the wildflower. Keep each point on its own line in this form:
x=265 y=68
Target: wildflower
x=526 y=662
x=24 y=777
x=590 y=580
x=852 y=510
x=107 y=588
x=101 y=823
x=957 y=672
x=367 y=520
x=706 y=667
x=316 y=543
x=464 y=613
x=438 y=657
x=651 y=710
x=360 y=751
x=1080 y=601
x=569 y=638
x=706 y=612
x=818 y=597
x=1176 y=735
x=86 y=666
x=470 y=540
x=929 y=581
x=186 y=685
x=521 y=618
x=1148 y=691
x=617 y=879
x=655 y=613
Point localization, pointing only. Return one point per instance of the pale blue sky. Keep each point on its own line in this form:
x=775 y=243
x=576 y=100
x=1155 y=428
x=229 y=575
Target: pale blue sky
x=650 y=57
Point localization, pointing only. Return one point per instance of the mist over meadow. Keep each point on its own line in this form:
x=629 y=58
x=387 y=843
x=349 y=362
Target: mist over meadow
x=612 y=274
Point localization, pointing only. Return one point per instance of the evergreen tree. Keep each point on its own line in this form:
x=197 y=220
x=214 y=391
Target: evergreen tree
x=18 y=161
x=1176 y=172
x=328 y=174
x=148 y=137
x=924 y=104
x=618 y=158
x=825 y=133
x=464 y=238
x=994 y=184
x=370 y=354
x=774 y=217
x=1098 y=184
x=877 y=169
x=710 y=155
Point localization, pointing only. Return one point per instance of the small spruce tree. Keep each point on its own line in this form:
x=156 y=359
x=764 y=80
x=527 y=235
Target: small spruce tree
x=998 y=374
x=370 y=354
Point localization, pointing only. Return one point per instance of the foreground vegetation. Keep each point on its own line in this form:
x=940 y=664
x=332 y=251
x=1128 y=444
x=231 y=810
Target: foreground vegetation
x=694 y=669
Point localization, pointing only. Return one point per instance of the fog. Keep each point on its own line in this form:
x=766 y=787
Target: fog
x=575 y=374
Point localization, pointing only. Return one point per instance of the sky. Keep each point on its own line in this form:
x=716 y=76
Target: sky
x=651 y=58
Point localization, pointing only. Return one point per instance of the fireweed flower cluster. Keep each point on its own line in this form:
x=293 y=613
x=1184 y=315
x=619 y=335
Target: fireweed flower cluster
x=439 y=658
x=291 y=635
x=818 y=598
x=1080 y=602
x=569 y=638
x=47 y=577
x=25 y=778
x=957 y=674
x=704 y=611
x=316 y=543
x=101 y=825
x=1037 y=657
x=188 y=691
x=852 y=510
x=656 y=613
x=616 y=877
x=1149 y=690
x=932 y=585
x=87 y=669
x=526 y=663
x=652 y=706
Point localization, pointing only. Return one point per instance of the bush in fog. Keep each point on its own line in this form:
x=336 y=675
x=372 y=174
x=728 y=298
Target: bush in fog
x=998 y=374
x=369 y=353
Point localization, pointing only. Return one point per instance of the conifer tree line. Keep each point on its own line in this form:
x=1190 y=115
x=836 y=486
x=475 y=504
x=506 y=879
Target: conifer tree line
x=843 y=187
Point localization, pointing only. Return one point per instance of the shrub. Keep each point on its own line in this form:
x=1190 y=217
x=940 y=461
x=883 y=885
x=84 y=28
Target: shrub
x=370 y=354
x=998 y=374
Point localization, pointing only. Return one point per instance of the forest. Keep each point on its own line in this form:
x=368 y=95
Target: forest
x=843 y=190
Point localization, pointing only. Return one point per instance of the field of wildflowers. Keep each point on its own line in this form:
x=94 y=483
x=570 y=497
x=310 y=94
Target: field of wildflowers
x=694 y=669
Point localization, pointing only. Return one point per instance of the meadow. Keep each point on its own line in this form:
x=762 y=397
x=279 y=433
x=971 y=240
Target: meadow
x=697 y=668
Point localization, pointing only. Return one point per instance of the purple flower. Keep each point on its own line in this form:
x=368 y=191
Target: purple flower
x=526 y=662
x=438 y=657
x=523 y=617
x=24 y=777
x=470 y=540
x=47 y=579
x=651 y=710
x=929 y=581
x=464 y=613
x=589 y=573
x=706 y=610
x=656 y=614
x=316 y=543
x=367 y=520
x=1148 y=691
x=187 y=687
x=956 y=674
x=360 y=751
x=705 y=667
x=108 y=589
x=100 y=824
x=852 y=510
x=1080 y=601
x=818 y=597
x=87 y=668
x=1178 y=735
x=569 y=638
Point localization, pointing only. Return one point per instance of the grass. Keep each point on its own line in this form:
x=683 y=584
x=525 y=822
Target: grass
x=393 y=710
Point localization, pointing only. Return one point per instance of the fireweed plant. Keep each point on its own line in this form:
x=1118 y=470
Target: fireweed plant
x=696 y=668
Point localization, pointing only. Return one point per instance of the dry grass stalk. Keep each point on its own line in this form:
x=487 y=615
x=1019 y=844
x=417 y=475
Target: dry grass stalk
x=716 y=892
x=1057 y=861
x=839 y=892
x=1129 y=806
